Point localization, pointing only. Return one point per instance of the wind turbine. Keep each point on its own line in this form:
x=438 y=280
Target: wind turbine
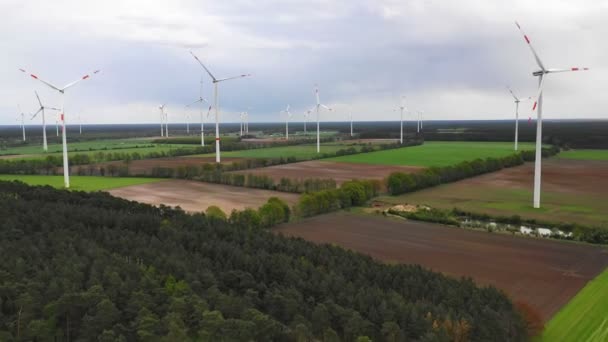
x=22 y=121
x=162 y=117
x=242 y=117
x=187 y=117
x=287 y=117
x=41 y=110
x=66 y=171
x=318 y=107
x=350 y=116
x=306 y=115
x=402 y=108
x=80 y=124
x=538 y=105
x=202 y=101
x=419 y=128
x=517 y=101
x=216 y=104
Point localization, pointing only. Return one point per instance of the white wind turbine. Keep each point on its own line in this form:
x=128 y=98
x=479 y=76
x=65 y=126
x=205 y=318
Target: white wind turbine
x=419 y=126
x=402 y=108
x=247 y=123
x=22 y=121
x=306 y=115
x=318 y=107
x=41 y=110
x=216 y=104
x=350 y=117
x=287 y=117
x=242 y=126
x=202 y=101
x=66 y=171
x=538 y=105
x=80 y=124
x=517 y=101
x=162 y=118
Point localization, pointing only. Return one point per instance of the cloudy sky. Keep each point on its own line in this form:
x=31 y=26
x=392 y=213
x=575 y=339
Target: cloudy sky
x=451 y=59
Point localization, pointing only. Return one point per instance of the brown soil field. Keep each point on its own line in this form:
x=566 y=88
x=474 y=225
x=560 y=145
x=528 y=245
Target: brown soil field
x=546 y=274
x=341 y=172
x=558 y=175
x=195 y=196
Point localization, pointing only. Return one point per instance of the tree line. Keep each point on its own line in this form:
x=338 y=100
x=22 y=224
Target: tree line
x=400 y=182
x=82 y=266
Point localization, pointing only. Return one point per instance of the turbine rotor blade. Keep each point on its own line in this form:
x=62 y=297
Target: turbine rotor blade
x=79 y=80
x=35 y=114
x=540 y=92
x=567 y=70
x=513 y=94
x=203 y=65
x=538 y=61
x=41 y=80
x=233 y=77
x=38 y=97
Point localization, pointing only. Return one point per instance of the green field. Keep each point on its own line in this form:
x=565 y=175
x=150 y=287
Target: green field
x=585 y=154
x=82 y=183
x=55 y=146
x=435 y=153
x=142 y=149
x=300 y=152
x=495 y=200
x=585 y=317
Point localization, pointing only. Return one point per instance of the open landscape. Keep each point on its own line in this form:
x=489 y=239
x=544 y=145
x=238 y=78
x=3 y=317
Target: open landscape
x=545 y=274
x=574 y=190
x=365 y=171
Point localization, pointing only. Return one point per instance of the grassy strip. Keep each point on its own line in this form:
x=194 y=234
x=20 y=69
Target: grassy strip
x=82 y=183
x=585 y=317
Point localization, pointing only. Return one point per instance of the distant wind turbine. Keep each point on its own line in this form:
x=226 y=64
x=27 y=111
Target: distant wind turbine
x=61 y=90
x=202 y=101
x=402 y=108
x=22 y=121
x=318 y=107
x=162 y=118
x=287 y=117
x=216 y=103
x=41 y=110
x=517 y=101
x=538 y=105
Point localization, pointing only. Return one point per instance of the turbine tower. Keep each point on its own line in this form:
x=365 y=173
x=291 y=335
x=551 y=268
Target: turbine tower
x=350 y=116
x=41 y=110
x=538 y=105
x=287 y=117
x=162 y=117
x=318 y=107
x=216 y=104
x=517 y=101
x=22 y=121
x=61 y=90
x=402 y=108
x=306 y=115
x=202 y=101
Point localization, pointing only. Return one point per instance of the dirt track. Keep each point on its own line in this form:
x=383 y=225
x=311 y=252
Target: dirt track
x=546 y=274
x=341 y=172
x=197 y=196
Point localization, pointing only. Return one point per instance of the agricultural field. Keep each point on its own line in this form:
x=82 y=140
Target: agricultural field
x=585 y=317
x=195 y=196
x=300 y=152
x=572 y=191
x=585 y=154
x=92 y=145
x=543 y=273
x=81 y=183
x=321 y=169
x=146 y=166
x=435 y=153
x=142 y=149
